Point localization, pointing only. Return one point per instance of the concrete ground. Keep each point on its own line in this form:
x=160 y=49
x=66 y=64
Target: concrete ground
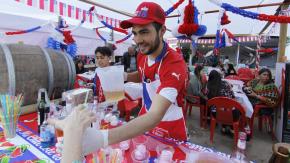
x=259 y=148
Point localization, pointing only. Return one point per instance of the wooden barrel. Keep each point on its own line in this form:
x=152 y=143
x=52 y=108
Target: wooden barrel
x=27 y=68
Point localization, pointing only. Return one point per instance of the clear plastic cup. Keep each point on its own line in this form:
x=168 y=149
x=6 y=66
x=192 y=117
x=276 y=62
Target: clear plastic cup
x=152 y=143
x=125 y=145
x=140 y=154
x=164 y=153
x=142 y=139
x=9 y=125
x=9 y=129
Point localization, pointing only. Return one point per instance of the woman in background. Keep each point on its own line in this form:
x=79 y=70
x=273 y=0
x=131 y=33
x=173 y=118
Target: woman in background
x=263 y=91
x=80 y=66
x=196 y=85
x=220 y=88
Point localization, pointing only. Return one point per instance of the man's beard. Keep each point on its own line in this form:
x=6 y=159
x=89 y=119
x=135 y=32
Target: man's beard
x=155 y=46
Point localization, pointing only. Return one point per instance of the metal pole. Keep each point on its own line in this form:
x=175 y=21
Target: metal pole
x=282 y=38
x=238 y=54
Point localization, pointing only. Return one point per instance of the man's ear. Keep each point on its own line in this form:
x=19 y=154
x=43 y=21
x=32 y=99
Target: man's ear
x=163 y=30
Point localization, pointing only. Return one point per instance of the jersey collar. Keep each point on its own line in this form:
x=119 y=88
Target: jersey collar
x=163 y=52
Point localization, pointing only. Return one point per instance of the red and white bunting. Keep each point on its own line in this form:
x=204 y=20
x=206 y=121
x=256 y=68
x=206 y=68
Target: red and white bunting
x=68 y=10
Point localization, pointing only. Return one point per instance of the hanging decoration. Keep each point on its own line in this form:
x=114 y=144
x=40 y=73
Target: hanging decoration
x=68 y=10
x=189 y=27
x=99 y=17
x=225 y=19
x=116 y=42
x=225 y=40
x=267 y=50
x=128 y=35
x=175 y=6
x=65 y=41
x=252 y=15
x=217 y=40
x=24 y=31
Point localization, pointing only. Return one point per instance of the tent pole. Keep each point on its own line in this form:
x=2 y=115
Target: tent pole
x=282 y=39
x=238 y=54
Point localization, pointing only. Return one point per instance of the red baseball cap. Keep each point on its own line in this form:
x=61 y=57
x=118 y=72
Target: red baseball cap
x=147 y=12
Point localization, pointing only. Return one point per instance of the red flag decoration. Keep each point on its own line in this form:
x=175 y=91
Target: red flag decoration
x=29 y=2
x=41 y=4
x=91 y=17
x=51 y=6
x=61 y=8
x=84 y=15
x=77 y=13
x=69 y=11
x=33 y=3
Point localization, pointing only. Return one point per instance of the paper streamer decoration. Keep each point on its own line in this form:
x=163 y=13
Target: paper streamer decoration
x=25 y=31
x=175 y=6
x=117 y=42
x=100 y=18
x=252 y=15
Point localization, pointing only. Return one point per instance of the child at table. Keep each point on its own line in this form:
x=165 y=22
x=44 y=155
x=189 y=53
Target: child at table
x=103 y=57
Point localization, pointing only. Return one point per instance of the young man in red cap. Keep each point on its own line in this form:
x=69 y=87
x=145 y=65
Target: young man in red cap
x=162 y=72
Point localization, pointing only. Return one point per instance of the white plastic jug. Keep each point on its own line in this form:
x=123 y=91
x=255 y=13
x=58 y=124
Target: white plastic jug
x=112 y=82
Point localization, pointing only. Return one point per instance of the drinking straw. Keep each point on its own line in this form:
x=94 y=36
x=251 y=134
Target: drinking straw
x=87 y=96
x=114 y=156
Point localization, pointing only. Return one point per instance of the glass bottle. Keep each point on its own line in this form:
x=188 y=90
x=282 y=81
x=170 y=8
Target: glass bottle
x=239 y=156
x=41 y=111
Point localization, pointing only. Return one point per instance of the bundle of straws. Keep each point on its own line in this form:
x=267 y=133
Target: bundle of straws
x=10 y=111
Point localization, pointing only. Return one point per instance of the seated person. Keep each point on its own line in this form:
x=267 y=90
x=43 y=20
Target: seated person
x=231 y=70
x=196 y=85
x=218 y=87
x=103 y=57
x=263 y=90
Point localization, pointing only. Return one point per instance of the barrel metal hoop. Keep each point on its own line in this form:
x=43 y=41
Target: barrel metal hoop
x=69 y=70
x=73 y=69
x=10 y=69
x=50 y=71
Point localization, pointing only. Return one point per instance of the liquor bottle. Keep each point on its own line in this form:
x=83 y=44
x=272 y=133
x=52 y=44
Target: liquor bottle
x=46 y=131
x=46 y=135
x=238 y=156
x=41 y=111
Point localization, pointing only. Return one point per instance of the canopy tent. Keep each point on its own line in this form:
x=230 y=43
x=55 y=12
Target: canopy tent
x=18 y=16
x=246 y=49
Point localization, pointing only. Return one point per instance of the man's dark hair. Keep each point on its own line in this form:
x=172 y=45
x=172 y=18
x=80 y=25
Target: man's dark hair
x=157 y=26
x=104 y=50
x=227 y=57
